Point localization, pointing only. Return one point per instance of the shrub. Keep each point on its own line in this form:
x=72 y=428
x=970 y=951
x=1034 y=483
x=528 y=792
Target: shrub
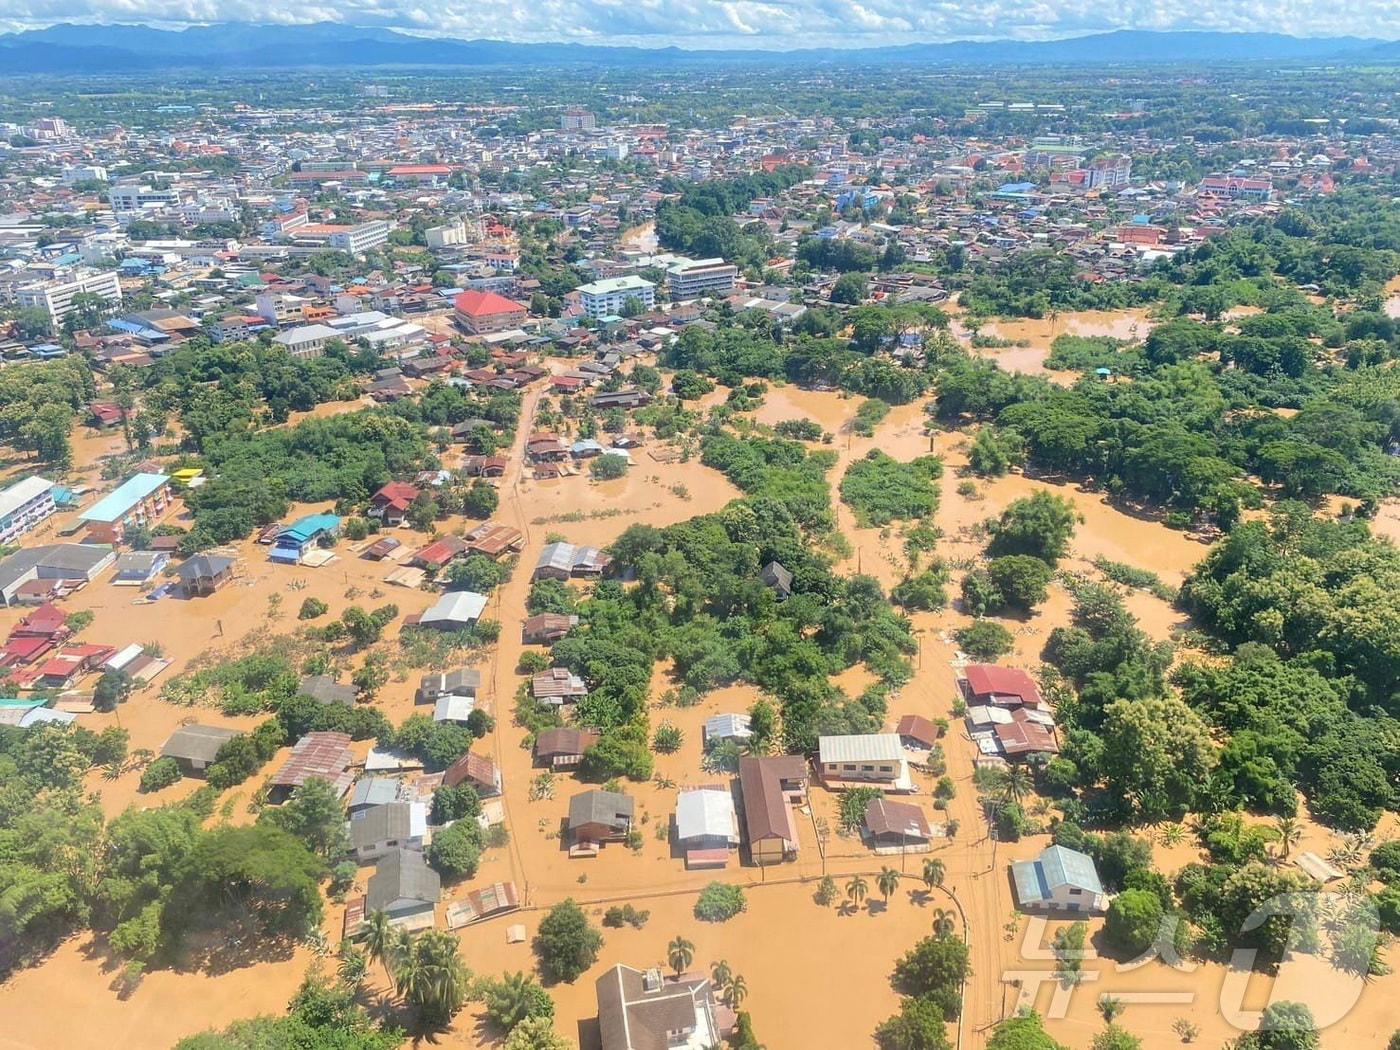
x=625 y=915
x=984 y=640
x=668 y=738
x=160 y=774
x=312 y=608
x=718 y=902
x=608 y=467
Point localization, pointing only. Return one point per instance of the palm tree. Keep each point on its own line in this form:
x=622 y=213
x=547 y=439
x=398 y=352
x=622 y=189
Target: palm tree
x=379 y=938
x=353 y=965
x=1109 y=1008
x=1290 y=833
x=1017 y=785
x=681 y=953
x=432 y=977
x=736 y=991
x=509 y=1000
x=933 y=873
x=720 y=973
x=944 y=922
x=887 y=883
x=856 y=890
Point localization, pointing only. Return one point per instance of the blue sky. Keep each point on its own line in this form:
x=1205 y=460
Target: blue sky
x=731 y=23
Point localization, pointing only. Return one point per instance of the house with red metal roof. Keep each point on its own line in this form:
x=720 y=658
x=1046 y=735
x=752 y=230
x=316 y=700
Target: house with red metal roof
x=1003 y=686
x=390 y=504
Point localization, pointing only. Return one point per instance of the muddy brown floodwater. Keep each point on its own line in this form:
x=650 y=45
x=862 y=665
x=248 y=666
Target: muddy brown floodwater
x=1034 y=336
x=817 y=977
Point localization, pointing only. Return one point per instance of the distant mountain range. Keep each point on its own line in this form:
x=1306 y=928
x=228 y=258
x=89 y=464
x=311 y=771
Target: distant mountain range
x=68 y=49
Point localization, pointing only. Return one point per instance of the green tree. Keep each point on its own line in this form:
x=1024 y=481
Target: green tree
x=856 y=890
x=1157 y=754
x=1039 y=525
x=567 y=944
x=1115 y=1037
x=1134 y=918
x=933 y=873
x=313 y=814
x=887 y=883
x=455 y=851
x=535 y=1033
x=919 y=1025
x=113 y=688
x=984 y=640
x=431 y=977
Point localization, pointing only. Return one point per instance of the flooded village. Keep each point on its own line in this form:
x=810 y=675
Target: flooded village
x=711 y=588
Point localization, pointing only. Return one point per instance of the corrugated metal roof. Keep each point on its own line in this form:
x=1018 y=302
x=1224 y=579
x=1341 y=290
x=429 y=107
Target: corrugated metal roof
x=868 y=747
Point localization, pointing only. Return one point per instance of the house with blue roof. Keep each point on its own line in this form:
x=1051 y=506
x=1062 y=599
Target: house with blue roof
x=138 y=500
x=1060 y=879
x=293 y=541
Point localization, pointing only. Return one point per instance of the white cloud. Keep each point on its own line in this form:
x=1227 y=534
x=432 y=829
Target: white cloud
x=739 y=23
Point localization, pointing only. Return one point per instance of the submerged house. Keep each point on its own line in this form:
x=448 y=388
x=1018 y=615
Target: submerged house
x=1059 y=879
x=297 y=538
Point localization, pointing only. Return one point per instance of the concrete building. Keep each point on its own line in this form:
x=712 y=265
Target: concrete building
x=692 y=278
x=1059 y=879
x=56 y=297
x=876 y=759
x=23 y=505
x=307 y=341
x=129 y=197
x=139 y=500
x=77 y=173
x=362 y=238
x=482 y=313
x=608 y=298
x=448 y=235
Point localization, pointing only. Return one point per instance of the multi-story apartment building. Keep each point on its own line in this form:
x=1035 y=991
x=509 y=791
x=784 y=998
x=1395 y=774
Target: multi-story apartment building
x=609 y=297
x=693 y=278
x=83 y=173
x=362 y=238
x=577 y=120
x=447 y=235
x=23 y=505
x=55 y=297
x=132 y=197
x=1108 y=172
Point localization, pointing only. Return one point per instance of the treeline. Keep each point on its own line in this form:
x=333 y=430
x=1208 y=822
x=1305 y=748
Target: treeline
x=1197 y=421
x=257 y=475
x=813 y=356
x=216 y=386
x=699 y=222
x=1306 y=703
x=147 y=879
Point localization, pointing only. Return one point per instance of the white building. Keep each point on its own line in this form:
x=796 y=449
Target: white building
x=362 y=238
x=56 y=297
x=692 y=278
x=280 y=307
x=447 y=235
x=84 y=173
x=307 y=341
x=607 y=298
x=23 y=505
x=129 y=197
x=874 y=758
